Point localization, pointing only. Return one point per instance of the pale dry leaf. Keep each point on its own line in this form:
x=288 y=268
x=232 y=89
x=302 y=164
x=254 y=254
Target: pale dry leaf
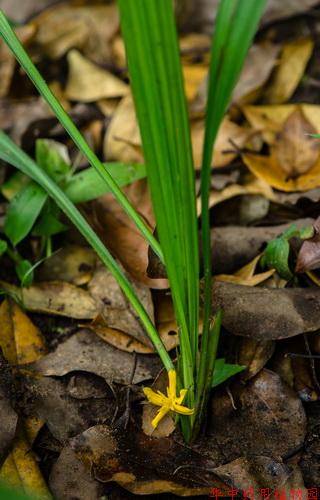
x=87 y=82
x=294 y=149
x=293 y=61
x=89 y=28
x=246 y=275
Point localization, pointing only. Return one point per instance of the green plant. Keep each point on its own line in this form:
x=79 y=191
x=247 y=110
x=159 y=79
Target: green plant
x=30 y=209
x=150 y=37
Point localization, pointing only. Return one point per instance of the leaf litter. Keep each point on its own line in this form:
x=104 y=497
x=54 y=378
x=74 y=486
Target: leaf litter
x=81 y=401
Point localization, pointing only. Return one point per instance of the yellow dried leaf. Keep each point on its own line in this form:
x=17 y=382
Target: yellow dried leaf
x=21 y=471
x=193 y=76
x=294 y=58
x=269 y=119
x=21 y=341
x=246 y=275
x=87 y=82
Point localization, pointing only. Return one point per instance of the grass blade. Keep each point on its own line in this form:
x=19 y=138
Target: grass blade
x=149 y=32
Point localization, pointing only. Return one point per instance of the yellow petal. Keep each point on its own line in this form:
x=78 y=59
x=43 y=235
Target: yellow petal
x=154 y=398
x=159 y=416
x=171 y=391
x=182 y=409
x=183 y=393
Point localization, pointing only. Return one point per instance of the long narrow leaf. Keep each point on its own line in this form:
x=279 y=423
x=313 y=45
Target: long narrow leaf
x=10 y=153
x=149 y=32
x=14 y=44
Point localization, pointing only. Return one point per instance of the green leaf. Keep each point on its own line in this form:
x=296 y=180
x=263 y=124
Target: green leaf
x=24 y=270
x=3 y=247
x=53 y=157
x=276 y=256
x=49 y=224
x=223 y=371
x=149 y=32
x=86 y=185
x=7 y=493
x=23 y=212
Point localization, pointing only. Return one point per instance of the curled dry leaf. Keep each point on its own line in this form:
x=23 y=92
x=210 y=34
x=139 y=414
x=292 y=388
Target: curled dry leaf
x=267 y=314
x=84 y=351
x=293 y=61
x=294 y=163
x=246 y=275
x=88 y=28
x=87 y=82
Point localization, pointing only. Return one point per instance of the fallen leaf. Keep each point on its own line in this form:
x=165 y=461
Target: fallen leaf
x=267 y=314
x=84 y=351
x=74 y=264
x=114 y=307
x=234 y=246
x=70 y=479
x=269 y=119
x=246 y=275
x=7 y=59
x=121 y=235
x=310 y=455
x=309 y=253
x=88 y=28
x=193 y=75
x=61 y=298
x=257 y=68
x=294 y=163
x=254 y=355
x=293 y=61
x=221 y=155
x=8 y=416
x=21 y=341
x=87 y=82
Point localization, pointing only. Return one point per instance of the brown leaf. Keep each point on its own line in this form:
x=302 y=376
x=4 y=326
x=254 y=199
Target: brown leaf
x=293 y=61
x=121 y=235
x=84 y=351
x=70 y=479
x=114 y=307
x=246 y=275
x=8 y=416
x=254 y=355
x=267 y=314
x=87 y=82
x=309 y=253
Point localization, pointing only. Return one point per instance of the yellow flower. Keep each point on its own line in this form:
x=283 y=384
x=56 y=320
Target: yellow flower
x=167 y=403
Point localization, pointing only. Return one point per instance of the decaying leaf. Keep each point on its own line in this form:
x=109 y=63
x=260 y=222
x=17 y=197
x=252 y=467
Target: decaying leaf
x=70 y=479
x=74 y=264
x=254 y=355
x=294 y=163
x=84 y=351
x=121 y=235
x=8 y=416
x=246 y=275
x=260 y=61
x=309 y=254
x=267 y=314
x=114 y=307
x=56 y=297
x=87 y=82
x=293 y=61
x=88 y=28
